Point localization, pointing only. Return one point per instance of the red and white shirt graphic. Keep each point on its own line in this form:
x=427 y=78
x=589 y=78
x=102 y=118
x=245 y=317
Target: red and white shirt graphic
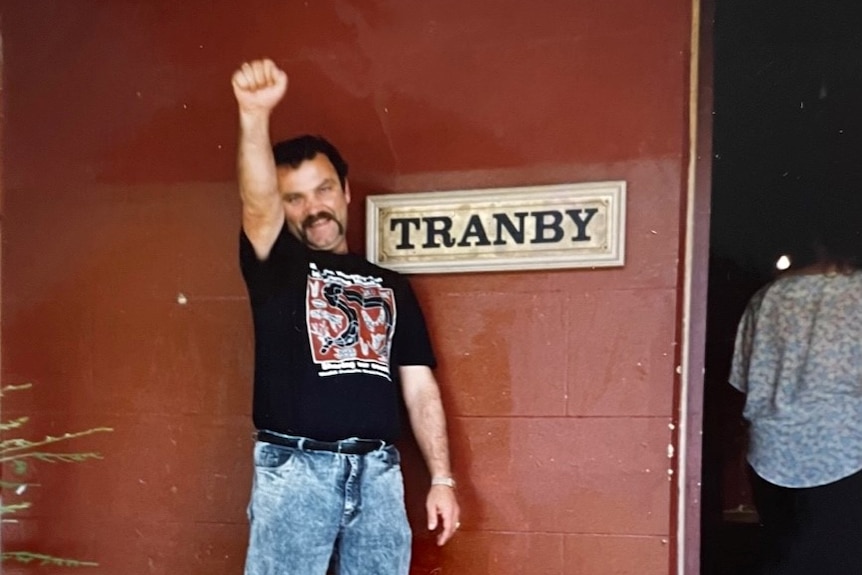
x=351 y=320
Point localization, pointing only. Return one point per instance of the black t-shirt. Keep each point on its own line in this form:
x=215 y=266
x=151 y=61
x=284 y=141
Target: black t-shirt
x=330 y=332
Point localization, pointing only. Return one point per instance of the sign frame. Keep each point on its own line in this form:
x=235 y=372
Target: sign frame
x=610 y=196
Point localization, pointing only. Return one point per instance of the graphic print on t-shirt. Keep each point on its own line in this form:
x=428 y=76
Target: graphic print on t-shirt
x=350 y=319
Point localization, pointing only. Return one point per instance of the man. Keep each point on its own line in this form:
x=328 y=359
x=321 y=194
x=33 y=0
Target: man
x=338 y=343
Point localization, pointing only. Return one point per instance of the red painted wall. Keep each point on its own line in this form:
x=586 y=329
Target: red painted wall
x=119 y=198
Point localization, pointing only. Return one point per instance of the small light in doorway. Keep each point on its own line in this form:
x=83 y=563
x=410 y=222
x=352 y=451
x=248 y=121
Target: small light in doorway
x=783 y=263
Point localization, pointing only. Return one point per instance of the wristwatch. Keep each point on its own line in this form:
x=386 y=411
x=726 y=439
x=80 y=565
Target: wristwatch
x=447 y=481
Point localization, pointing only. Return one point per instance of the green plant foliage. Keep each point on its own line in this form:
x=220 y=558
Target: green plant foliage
x=16 y=453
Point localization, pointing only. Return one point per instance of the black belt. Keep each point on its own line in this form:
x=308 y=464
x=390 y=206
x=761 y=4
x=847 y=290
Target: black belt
x=348 y=446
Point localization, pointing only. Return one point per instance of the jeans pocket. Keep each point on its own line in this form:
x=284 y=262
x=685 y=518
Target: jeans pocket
x=273 y=464
x=389 y=456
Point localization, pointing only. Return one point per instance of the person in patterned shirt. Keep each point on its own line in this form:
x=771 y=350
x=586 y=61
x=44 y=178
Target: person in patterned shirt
x=798 y=359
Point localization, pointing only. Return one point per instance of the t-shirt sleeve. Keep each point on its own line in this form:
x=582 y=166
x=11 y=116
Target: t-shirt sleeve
x=744 y=343
x=742 y=352
x=264 y=277
x=411 y=346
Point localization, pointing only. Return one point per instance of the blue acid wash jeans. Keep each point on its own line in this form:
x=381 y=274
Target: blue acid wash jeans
x=315 y=510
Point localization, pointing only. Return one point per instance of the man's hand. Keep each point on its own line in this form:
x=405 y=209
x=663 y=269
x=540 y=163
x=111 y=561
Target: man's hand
x=443 y=507
x=259 y=86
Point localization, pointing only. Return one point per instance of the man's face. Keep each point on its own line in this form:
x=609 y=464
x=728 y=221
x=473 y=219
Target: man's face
x=315 y=205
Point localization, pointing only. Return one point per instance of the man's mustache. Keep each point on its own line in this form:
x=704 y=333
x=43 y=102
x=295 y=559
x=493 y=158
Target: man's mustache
x=314 y=218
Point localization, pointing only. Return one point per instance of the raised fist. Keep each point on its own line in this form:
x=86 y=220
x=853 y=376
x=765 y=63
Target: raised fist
x=259 y=85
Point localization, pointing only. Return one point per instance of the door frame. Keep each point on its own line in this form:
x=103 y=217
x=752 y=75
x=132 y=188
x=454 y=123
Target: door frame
x=695 y=274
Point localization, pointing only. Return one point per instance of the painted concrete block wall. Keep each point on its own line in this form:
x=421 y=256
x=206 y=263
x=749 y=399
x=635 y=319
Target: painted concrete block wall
x=122 y=299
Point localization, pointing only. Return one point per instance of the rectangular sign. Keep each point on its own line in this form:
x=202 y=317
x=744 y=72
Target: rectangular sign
x=523 y=228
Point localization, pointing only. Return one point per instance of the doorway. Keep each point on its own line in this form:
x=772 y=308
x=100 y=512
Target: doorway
x=787 y=119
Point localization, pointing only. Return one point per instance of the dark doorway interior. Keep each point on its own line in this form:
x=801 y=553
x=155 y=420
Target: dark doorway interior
x=787 y=128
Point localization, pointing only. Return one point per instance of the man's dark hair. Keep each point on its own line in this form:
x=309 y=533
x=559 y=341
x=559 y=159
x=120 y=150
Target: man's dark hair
x=297 y=150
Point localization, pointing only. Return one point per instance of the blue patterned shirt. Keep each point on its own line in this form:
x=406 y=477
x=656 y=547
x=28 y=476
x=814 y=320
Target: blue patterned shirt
x=798 y=359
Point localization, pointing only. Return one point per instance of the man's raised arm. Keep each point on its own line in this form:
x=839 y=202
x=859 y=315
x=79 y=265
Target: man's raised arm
x=258 y=86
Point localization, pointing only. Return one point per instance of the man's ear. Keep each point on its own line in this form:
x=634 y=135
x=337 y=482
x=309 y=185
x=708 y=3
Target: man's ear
x=347 y=191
